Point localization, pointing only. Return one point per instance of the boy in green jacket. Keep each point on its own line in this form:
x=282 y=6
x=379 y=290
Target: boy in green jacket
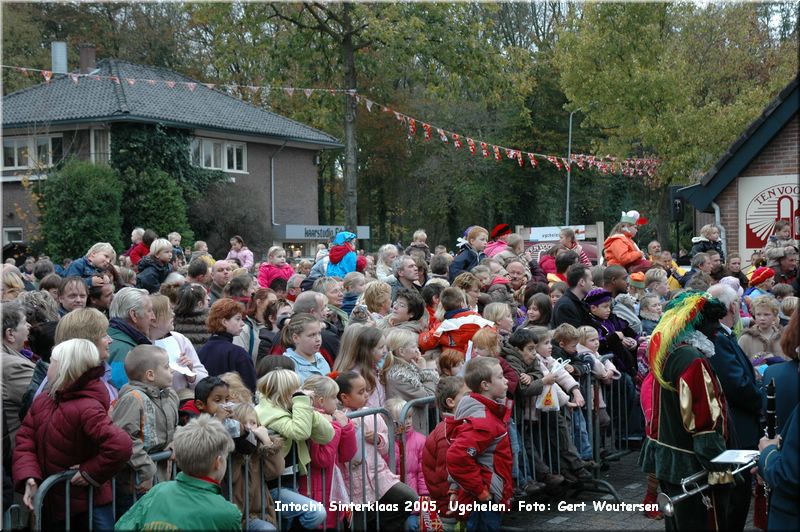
x=194 y=500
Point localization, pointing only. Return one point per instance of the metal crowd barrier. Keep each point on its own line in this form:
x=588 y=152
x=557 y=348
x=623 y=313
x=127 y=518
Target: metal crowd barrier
x=12 y=518
x=422 y=404
x=543 y=439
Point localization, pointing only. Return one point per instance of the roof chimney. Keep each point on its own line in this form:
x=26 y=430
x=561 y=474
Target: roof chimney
x=87 y=58
x=58 y=56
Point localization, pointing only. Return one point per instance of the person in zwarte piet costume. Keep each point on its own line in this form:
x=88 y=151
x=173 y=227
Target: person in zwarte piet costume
x=688 y=422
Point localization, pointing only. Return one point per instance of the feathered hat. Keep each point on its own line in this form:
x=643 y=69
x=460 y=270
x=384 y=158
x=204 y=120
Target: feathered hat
x=682 y=316
x=633 y=218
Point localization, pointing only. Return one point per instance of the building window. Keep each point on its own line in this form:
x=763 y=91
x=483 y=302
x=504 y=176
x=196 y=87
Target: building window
x=100 y=142
x=32 y=152
x=219 y=155
x=12 y=234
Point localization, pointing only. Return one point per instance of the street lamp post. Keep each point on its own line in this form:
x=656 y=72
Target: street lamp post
x=569 y=163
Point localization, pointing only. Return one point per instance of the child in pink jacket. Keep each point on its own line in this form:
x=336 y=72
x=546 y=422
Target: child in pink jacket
x=324 y=458
x=414 y=444
x=368 y=467
x=274 y=268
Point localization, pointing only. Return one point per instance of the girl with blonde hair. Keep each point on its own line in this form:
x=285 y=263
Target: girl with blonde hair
x=287 y=410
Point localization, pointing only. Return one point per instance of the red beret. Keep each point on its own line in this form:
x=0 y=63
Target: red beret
x=761 y=275
x=500 y=230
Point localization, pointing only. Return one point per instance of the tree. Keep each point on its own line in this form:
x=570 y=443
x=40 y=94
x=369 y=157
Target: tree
x=154 y=200
x=673 y=81
x=82 y=207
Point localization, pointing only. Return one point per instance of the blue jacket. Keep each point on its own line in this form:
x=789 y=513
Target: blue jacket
x=780 y=468
x=738 y=379
x=465 y=261
x=220 y=355
x=152 y=272
x=83 y=268
x=787 y=389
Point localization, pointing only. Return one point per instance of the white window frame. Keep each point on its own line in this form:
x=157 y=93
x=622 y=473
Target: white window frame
x=32 y=145
x=222 y=164
x=7 y=230
x=93 y=145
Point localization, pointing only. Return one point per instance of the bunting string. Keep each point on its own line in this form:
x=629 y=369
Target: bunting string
x=607 y=165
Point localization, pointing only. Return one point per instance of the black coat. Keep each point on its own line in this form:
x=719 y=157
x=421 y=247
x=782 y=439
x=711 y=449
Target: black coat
x=151 y=274
x=570 y=309
x=220 y=355
x=465 y=261
x=738 y=380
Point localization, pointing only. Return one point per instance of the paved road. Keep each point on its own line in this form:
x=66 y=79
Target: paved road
x=629 y=482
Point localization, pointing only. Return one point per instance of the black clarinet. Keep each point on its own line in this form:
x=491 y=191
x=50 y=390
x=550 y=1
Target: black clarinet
x=770 y=430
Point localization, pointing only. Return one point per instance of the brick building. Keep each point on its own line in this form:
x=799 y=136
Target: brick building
x=270 y=160
x=755 y=183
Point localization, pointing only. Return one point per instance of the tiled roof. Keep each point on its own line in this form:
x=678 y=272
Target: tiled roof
x=63 y=101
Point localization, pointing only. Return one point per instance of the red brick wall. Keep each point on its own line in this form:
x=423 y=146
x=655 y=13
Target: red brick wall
x=779 y=157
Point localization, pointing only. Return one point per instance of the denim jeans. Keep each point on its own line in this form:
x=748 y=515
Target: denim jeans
x=580 y=435
x=259 y=525
x=483 y=521
x=310 y=519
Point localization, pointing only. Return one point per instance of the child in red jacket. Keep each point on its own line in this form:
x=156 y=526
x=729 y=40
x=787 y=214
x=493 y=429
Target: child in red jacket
x=458 y=323
x=449 y=392
x=479 y=458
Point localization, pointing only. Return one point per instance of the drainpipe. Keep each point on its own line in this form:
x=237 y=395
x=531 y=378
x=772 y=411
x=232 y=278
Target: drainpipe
x=721 y=228
x=272 y=178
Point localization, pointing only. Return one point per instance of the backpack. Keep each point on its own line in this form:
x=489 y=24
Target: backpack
x=39 y=373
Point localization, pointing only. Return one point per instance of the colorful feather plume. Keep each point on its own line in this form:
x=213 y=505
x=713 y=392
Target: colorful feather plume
x=681 y=317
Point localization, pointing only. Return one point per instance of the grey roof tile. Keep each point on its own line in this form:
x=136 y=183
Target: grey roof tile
x=63 y=101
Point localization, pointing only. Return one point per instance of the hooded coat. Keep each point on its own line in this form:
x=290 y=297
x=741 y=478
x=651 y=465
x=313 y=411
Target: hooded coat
x=152 y=272
x=72 y=428
x=479 y=458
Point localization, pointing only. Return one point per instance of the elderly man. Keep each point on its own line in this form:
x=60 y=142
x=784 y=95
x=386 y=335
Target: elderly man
x=654 y=250
x=689 y=421
x=517 y=276
x=406 y=275
x=333 y=289
x=738 y=380
x=293 y=287
x=132 y=316
x=220 y=275
x=701 y=262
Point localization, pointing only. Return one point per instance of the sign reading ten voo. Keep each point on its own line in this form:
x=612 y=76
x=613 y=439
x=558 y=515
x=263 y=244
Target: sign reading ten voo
x=770 y=203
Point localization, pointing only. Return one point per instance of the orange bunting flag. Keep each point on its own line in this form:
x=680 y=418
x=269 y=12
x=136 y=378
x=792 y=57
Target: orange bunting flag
x=471 y=144
x=496 y=153
x=457 y=141
x=427 y=129
x=484 y=149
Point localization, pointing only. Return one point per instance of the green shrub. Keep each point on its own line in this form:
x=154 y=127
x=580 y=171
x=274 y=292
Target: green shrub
x=153 y=200
x=81 y=207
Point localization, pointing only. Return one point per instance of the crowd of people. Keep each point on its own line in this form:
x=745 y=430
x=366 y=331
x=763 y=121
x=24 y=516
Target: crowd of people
x=112 y=358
